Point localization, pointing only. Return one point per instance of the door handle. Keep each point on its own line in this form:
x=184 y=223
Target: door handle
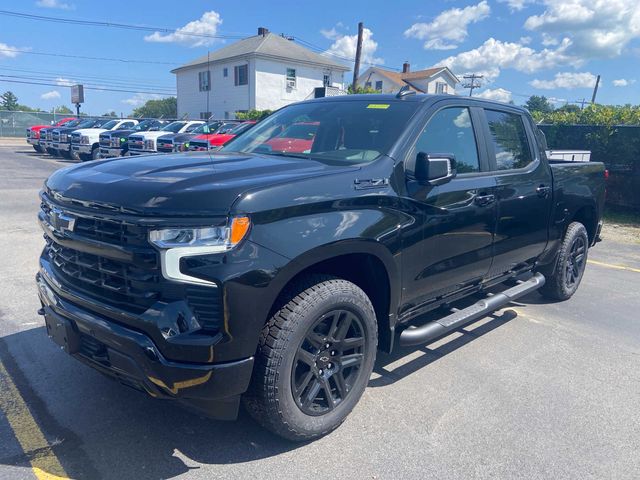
x=484 y=200
x=543 y=191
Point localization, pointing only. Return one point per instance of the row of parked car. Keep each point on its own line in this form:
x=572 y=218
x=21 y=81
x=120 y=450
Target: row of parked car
x=93 y=138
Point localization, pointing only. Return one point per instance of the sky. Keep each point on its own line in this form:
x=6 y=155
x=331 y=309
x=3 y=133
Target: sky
x=521 y=47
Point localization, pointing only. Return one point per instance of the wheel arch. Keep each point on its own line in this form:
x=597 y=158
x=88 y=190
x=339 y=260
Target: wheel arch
x=367 y=264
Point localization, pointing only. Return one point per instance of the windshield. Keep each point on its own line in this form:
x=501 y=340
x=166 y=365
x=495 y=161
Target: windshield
x=110 y=124
x=238 y=129
x=144 y=125
x=207 y=127
x=346 y=132
x=173 y=127
x=192 y=128
x=74 y=123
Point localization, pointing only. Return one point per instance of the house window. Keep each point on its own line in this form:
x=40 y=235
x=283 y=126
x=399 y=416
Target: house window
x=441 y=87
x=241 y=75
x=205 y=115
x=204 y=81
x=379 y=85
x=326 y=80
x=367 y=85
x=291 y=78
x=225 y=72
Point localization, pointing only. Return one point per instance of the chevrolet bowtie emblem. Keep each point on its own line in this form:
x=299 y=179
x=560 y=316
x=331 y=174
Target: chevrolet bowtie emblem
x=61 y=221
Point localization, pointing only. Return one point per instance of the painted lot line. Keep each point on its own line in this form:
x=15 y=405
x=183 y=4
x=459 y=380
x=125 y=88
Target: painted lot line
x=611 y=265
x=44 y=462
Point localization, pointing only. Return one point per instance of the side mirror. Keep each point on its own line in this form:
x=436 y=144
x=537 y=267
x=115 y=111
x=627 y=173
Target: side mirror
x=435 y=168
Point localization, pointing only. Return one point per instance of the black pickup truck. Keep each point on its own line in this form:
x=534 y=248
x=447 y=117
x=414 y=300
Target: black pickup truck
x=276 y=275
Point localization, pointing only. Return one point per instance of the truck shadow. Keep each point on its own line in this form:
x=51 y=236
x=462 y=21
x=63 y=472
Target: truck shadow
x=101 y=429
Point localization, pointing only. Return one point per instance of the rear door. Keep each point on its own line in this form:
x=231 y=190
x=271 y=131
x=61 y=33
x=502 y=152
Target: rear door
x=523 y=190
x=449 y=246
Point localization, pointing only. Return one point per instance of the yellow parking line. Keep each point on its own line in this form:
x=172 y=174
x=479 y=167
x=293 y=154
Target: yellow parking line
x=44 y=462
x=617 y=267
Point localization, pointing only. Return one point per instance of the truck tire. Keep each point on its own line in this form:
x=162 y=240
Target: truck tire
x=314 y=359
x=564 y=280
x=95 y=153
x=38 y=148
x=66 y=154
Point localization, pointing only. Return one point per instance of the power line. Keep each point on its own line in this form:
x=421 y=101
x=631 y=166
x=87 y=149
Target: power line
x=125 y=26
x=88 y=88
x=128 y=80
x=102 y=59
x=472 y=84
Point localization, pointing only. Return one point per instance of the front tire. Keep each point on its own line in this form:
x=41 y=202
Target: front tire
x=314 y=359
x=565 y=279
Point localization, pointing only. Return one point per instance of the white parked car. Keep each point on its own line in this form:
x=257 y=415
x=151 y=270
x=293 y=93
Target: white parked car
x=86 y=142
x=145 y=142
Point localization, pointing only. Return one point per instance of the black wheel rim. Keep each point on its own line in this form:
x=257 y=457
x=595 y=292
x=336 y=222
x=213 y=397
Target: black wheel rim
x=575 y=262
x=328 y=362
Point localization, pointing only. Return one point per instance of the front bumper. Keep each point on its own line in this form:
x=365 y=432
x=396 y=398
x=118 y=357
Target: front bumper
x=132 y=358
x=83 y=148
x=33 y=141
x=45 y=144
x=110 y=152
x=61 y=146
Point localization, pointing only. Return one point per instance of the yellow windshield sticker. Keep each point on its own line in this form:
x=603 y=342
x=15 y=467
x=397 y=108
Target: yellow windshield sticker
x=381 y=106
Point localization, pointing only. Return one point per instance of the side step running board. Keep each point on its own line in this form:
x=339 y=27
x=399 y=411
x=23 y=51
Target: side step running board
x=438 y=328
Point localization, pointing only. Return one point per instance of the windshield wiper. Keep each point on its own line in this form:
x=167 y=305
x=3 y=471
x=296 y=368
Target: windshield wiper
x=285 y=154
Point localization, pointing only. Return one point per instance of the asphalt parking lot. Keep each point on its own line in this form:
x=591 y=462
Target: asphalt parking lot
x=538 y=390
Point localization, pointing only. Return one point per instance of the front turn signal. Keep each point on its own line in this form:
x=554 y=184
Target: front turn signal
x=239 y=229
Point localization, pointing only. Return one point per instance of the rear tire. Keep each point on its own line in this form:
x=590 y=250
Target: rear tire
x=314 y=359
x=565 y=279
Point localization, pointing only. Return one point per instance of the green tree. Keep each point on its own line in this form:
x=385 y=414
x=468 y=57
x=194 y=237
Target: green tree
x=538 y=104
x=9 y=101
x=110 y=114
x=569 y=108
x=253 y=114
x=360 y=90
x=165 y=107
x=62 y=109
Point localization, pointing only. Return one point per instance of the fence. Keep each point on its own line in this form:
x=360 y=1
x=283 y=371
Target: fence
x=15 y=124
x=618 y=147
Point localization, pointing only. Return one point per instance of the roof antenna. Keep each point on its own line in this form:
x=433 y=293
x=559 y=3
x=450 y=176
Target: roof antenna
x=404 y=91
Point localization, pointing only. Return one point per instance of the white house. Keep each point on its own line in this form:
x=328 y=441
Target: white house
x=432 y=80
x=266 y=71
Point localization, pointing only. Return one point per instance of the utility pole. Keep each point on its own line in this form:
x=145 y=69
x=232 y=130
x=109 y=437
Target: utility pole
x=595 y=90
x=472 y=83
x=581 y=102
x=356 y=67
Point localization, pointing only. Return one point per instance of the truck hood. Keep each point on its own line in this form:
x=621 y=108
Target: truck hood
x=151 y=135
x=124 y=132
x=185 y=185
x=90 y=131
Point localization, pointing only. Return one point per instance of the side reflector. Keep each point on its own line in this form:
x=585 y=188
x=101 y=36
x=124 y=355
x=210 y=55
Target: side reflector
x=239 y=228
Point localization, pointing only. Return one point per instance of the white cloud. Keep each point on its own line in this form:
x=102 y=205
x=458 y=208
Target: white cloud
x=50 y=95
x=65 y=82
x=567 y=80
x=516 y=5
x=345 y=46
x=189 y=34
x=141 y=98
x=623 y=82
x=597 y=28
x=55 y=4
x=7 y=51
x=493 y=55
x=498 y=94
x=449 y=28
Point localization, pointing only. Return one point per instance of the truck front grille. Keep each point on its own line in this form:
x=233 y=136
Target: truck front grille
x=165 y=146
x=136 y=143
x=105 y=140
x=198 y=146
x=55 y=136
x=75 y=138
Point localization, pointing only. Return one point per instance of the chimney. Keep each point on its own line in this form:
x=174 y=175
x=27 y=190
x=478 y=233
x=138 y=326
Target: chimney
x=406 y=67
x=263 y=31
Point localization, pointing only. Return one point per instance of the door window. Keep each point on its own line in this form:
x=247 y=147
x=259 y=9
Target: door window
x=450 y=131
x=509 y=140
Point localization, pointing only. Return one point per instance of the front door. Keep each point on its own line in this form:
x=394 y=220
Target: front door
x=449 y=246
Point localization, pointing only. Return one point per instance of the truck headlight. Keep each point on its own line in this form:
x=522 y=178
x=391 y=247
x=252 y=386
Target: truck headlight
x=84 y=140
x=177 y=243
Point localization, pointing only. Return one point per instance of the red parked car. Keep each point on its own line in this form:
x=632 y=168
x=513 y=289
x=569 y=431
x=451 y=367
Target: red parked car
x=213 y=141
x=33 y=133
x=296 y=138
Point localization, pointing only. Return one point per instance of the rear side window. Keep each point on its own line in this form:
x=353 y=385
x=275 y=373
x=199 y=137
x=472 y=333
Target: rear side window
x=450 y=131
x=509 y=139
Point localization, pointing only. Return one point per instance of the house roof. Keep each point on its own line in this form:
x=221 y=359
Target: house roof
x=269 y=45
x=406 y=78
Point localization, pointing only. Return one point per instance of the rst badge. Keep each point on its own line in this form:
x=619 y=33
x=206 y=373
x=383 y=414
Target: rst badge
x=61 y=221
